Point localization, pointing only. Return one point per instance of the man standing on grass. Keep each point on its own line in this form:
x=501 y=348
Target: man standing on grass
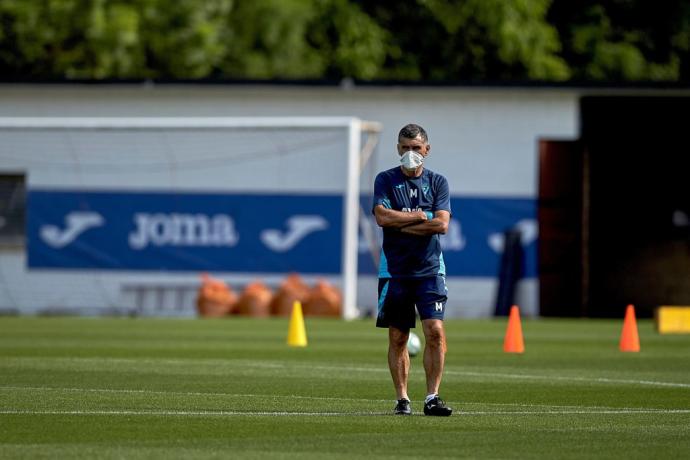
x=412 y=205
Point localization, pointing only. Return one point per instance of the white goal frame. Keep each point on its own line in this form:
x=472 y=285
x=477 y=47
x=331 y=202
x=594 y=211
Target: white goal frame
x=357 y=156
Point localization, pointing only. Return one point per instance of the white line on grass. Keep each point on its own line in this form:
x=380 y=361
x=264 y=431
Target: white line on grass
x=549 y=407
x=180 y=413
x=187 y=393
x=570 y=379
x=577 y=412
x=517 y=376
x=527 y=376
x=382 y=369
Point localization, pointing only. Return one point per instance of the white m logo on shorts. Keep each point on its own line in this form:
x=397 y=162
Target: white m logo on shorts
x=439 y=306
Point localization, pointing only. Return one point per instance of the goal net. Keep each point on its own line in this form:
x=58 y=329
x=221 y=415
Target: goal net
x=135 y=198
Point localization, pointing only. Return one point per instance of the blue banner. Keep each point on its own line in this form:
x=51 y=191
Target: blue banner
x=191 y=232
x=254 y=233
x=473 y=244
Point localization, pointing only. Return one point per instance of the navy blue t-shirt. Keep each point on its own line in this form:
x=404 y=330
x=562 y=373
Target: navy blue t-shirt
x=404 y=255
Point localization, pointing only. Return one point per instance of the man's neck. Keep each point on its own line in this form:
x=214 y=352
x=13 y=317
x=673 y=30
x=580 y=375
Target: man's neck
x=412 y=172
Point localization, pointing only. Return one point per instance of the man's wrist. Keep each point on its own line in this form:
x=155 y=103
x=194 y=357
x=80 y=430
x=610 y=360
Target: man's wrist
x=429 y=215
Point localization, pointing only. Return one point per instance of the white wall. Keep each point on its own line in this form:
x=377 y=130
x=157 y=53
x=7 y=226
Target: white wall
x=471 y=130
x=483 y=140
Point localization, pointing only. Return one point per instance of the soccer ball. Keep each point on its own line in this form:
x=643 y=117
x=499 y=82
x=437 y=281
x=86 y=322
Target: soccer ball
x=414 y=345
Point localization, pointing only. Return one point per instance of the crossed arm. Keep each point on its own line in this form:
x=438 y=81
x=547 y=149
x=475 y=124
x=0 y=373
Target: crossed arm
x=415 y=223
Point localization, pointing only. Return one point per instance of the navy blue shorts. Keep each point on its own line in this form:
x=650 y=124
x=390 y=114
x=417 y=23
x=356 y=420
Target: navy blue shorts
x=398 y=298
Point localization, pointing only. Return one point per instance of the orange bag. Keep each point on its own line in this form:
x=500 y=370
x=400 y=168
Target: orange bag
x=255 y=300
x=290 y=290
x=215 y=298
x=324 y=300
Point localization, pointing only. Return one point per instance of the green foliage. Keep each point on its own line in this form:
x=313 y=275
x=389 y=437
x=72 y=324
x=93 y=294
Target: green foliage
x=523 y=45
x=614 y=40
x=625 y=40
x=301 y=39
x=97 y=39
x=267 y=38
x=609 y=57
x=183 y=41
x=353 y=43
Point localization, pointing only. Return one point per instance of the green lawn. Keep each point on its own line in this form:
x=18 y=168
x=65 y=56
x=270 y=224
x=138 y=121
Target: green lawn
x=162 y=388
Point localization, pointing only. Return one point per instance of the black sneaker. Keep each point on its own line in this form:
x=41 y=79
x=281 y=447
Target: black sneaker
x=402 y=407
x=437 y=407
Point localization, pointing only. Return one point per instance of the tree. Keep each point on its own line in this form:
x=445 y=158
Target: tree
x=616 y=40
x=95 y=39
x=470 y=39
x=302 y=39
x=522 y=44
x=430 y=40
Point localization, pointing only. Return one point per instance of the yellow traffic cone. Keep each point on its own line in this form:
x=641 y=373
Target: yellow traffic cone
x=297 y=334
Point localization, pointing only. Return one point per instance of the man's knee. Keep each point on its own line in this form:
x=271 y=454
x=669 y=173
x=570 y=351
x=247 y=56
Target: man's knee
x=397 y=337
x=435 y=336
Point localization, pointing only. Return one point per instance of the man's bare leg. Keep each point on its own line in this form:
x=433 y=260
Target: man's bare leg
x=434 y=360
x=398 y=360
x=434 y=353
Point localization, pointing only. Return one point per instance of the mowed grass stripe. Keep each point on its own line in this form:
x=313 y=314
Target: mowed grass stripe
x=155 y=388
x=549 y=407
x=246 y=367
x=186 y=393
x=570 y=379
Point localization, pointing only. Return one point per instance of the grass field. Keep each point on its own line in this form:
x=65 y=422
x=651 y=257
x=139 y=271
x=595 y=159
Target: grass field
x=156 y=388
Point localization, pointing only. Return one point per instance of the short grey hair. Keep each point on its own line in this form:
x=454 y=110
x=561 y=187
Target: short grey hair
x=411 y=131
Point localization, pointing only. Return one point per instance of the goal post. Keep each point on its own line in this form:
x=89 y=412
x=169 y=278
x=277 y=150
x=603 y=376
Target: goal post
x=218 y=162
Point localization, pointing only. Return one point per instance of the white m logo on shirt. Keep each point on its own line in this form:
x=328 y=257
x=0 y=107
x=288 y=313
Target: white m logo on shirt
x=413 y=193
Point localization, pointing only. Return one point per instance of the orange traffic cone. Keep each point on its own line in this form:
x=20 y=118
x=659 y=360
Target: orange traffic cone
x=513 y=342
x=630 y=340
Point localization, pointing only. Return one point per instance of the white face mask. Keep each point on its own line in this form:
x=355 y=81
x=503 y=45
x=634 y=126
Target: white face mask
x=411 y=160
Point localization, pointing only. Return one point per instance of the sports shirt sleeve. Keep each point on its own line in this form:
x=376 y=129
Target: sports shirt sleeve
x=381 y=192
x=441 y=195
